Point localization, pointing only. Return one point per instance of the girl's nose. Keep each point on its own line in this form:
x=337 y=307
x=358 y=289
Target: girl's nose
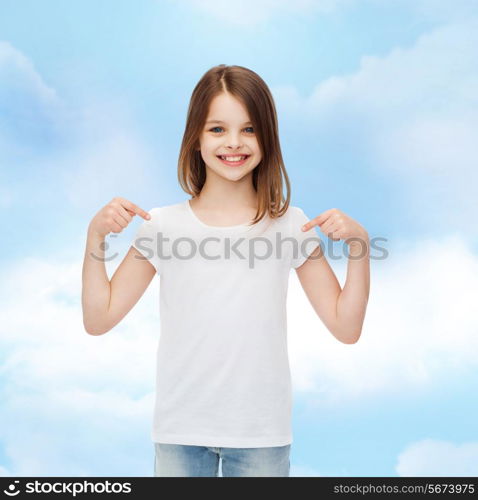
x=233 y=142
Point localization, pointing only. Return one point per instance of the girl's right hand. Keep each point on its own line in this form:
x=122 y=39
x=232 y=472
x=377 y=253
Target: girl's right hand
x=115 y=216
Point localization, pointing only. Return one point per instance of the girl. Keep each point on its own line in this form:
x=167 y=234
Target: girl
x=223 y=388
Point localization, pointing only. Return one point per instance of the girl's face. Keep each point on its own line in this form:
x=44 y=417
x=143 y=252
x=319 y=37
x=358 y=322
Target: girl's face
x=228 y=131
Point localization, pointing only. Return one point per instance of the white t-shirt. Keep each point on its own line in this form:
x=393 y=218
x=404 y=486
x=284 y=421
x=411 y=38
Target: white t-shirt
x=223 y=376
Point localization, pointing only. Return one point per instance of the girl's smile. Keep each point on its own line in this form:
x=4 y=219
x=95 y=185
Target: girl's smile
x=234 y=160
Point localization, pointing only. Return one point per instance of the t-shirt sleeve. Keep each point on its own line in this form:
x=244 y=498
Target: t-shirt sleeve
x=146 y=238
x=305 y=242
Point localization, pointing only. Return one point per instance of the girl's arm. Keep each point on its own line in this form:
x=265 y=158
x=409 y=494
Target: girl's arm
x=96 y=290
x=341 y=310
x=353 y=299
x=106 y=302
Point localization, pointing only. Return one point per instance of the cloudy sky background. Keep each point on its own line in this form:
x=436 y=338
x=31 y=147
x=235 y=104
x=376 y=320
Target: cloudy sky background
x=378 y=114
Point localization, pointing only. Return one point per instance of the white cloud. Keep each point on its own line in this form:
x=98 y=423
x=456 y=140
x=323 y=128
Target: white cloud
x=420 y=326
x=18 y=72
x=85 y=152
x=70 y=400
x=32 y=112
x=50 y=292
x=431 y=457
x=412 y=114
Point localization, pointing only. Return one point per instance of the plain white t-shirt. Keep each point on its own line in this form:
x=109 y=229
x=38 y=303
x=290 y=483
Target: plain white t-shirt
x=223 y=376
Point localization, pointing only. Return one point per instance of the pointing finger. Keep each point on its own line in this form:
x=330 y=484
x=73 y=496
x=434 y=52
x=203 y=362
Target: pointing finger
x=317 y=221
x=134 y=209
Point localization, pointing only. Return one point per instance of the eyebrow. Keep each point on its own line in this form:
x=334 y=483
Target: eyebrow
x=219 y=121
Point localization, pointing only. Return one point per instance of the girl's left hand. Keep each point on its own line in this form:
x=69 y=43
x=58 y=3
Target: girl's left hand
x=337 y=226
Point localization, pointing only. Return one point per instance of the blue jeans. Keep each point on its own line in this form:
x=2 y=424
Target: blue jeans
x=179 y=460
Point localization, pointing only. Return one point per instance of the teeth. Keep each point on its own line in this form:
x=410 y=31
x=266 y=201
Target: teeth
x=233 y=158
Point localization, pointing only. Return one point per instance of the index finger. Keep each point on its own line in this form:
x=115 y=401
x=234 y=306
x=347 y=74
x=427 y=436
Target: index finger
x=135 y=209
x=317 y=221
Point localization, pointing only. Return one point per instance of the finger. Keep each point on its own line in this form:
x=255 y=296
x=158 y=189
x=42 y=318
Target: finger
x=317 y=221
x=135 y=209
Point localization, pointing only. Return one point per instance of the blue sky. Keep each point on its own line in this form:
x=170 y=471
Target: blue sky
x=377 y=116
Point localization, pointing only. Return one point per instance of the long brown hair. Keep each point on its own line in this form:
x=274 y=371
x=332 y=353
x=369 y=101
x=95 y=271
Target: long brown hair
x=251 y=90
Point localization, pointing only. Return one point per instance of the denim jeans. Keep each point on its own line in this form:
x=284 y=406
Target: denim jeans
x=178 y=460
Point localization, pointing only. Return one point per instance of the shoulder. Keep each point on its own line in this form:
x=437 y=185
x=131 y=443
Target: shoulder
x=295 y=213
x=166 y=210
x=167 y=216
x=294 y=210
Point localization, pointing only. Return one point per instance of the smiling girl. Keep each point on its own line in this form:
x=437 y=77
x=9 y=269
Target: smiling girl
x=223 y=387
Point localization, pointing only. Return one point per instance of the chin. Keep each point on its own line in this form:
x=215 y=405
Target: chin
x=233 y=176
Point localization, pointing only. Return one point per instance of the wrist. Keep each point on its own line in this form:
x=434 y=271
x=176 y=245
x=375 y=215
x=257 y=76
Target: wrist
x=359 y=241
x=93 y=234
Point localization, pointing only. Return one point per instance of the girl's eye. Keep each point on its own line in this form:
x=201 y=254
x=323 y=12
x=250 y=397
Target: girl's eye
x=212 y=129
